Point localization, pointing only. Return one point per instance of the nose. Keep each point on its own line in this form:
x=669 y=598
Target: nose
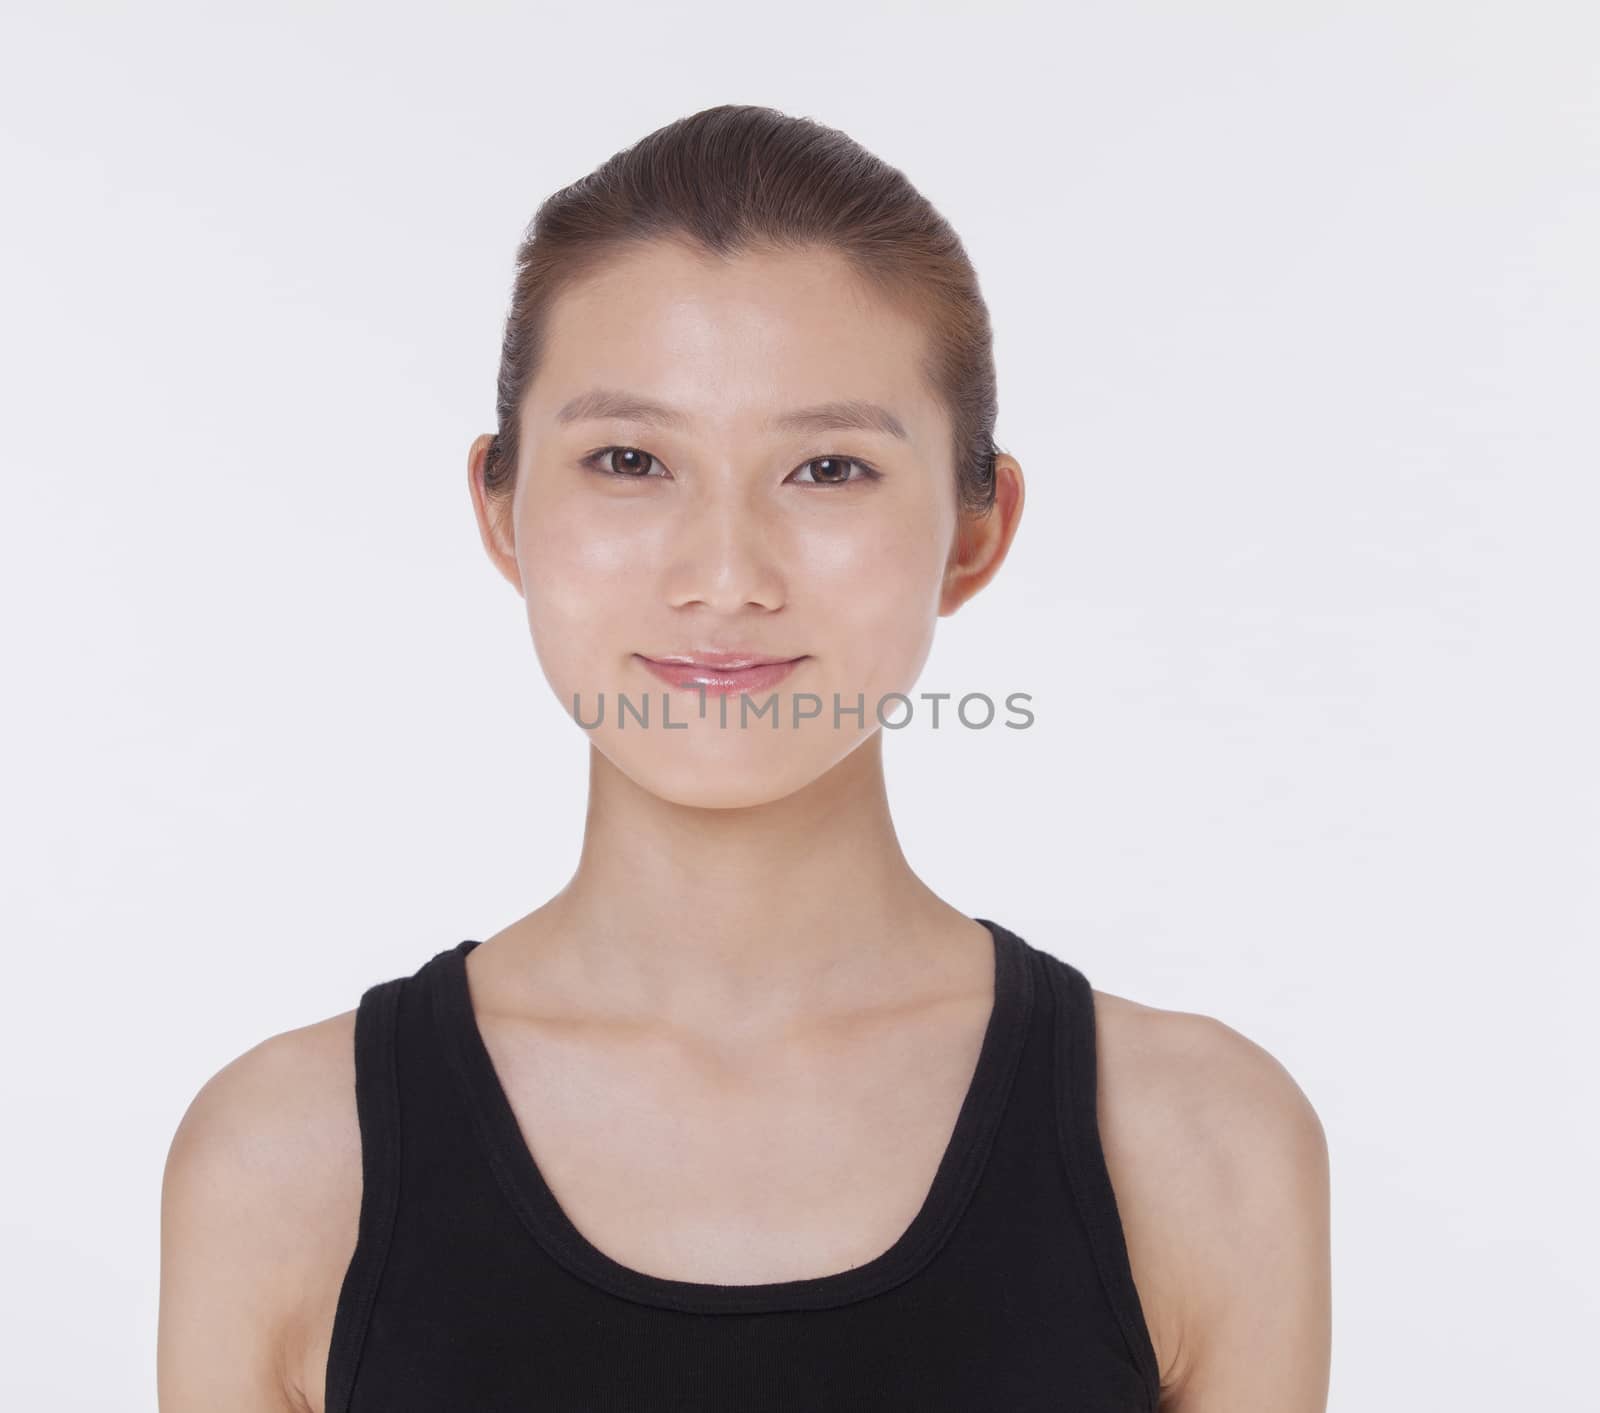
x=726 y=552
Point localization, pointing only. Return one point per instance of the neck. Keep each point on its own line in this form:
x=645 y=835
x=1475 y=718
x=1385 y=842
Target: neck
x=779 y=909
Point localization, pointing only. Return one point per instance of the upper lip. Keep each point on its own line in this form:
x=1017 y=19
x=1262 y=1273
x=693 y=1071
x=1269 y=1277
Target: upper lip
x=706 y=657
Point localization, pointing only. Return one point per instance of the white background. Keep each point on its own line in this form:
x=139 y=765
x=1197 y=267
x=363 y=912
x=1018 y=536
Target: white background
x=1296 y=322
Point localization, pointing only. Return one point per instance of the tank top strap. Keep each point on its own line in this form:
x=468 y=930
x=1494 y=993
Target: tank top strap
x=378 y=1116
x=1082 y=1151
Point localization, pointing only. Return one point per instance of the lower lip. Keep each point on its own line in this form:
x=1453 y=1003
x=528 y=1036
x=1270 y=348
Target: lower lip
x=721 y=680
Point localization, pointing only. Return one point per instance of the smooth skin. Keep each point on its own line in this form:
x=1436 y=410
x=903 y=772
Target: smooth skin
x=744 y=1002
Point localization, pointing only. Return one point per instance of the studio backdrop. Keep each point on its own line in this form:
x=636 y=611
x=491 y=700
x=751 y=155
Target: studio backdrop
x=1297 y=327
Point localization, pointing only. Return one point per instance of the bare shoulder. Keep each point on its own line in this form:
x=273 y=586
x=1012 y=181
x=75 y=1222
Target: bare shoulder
x=260 y=1204
x=1220 y=1166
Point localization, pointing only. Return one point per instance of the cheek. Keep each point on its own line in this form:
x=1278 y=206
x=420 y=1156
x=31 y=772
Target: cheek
x=579 y=568
x=877 y=606
x=582 y=583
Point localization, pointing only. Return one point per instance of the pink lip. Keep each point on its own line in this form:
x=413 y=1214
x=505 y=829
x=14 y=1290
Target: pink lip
x=734 y=673
x=717 y=657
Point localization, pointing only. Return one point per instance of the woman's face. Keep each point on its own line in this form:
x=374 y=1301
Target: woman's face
x=717 y=525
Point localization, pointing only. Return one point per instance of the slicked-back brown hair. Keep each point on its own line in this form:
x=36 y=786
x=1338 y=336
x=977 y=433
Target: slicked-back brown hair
x=739 y=178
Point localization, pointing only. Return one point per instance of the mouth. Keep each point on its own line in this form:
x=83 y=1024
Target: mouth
x=721 y=672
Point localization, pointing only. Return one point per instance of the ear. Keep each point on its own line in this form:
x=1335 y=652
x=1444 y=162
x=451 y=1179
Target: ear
x=496 y=527
x=983 y=540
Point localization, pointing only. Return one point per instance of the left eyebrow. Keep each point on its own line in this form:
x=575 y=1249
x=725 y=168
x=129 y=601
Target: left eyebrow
x=599 y=404
x=836 y=416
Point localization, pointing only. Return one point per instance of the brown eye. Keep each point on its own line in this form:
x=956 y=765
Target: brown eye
x=621 y=461
x=836 y=471
x=628 y=461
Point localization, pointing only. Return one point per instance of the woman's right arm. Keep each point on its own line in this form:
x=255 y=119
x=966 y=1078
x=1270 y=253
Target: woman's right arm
x=242 y=1202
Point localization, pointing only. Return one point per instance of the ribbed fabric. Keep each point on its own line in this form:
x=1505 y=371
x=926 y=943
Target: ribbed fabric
x=470 y=1291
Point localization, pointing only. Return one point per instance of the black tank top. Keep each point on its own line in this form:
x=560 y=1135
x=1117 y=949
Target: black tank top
x=470 y=1291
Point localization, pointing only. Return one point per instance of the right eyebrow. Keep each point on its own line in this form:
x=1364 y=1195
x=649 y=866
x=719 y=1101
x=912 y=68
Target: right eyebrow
x=601 y=404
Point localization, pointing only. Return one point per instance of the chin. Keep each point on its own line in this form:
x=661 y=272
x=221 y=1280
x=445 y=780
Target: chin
x=760 y=772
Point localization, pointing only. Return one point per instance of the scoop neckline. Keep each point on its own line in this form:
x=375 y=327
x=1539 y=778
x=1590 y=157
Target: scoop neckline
x=952 y=1186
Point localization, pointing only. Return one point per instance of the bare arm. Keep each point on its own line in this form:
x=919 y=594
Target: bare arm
x=229 y=1238
x=1256 y=1265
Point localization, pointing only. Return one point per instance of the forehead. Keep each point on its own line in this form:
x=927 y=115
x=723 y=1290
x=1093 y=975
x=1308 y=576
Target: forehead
x=734 y=341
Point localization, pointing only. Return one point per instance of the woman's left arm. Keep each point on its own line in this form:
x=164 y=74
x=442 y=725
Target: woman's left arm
x=1258 y=1316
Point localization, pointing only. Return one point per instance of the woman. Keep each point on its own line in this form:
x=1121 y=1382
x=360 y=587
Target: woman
x=746 y=1117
